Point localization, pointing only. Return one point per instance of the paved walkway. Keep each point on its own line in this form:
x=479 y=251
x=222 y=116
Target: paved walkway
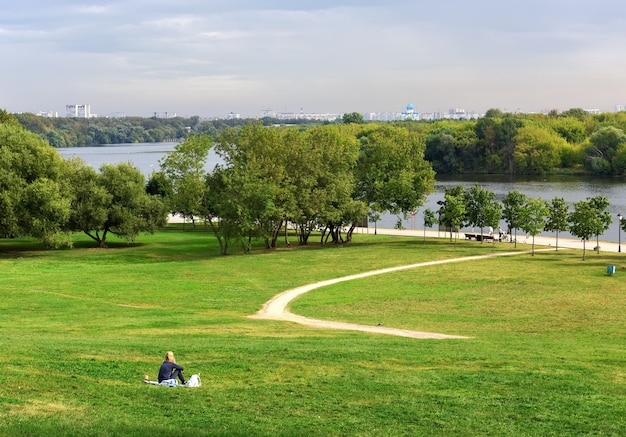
x=569 y=243
x=548 y=241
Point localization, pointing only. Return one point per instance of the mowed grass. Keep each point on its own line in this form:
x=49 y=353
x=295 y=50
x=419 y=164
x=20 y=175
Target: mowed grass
x=80 y=328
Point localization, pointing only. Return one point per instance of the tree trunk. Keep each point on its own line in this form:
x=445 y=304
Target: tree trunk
x=275 y=235
x=287 y=233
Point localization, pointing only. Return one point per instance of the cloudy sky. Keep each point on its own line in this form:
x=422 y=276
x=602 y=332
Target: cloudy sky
x=209 y=58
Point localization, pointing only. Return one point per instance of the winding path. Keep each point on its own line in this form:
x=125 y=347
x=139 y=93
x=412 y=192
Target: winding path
x=277 y=307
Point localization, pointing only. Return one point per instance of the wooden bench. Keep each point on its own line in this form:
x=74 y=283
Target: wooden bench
x=478 y=237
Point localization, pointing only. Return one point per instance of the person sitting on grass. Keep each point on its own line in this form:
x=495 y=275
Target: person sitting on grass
x=170 y=370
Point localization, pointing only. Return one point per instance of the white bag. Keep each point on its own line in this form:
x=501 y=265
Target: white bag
x=194 y=381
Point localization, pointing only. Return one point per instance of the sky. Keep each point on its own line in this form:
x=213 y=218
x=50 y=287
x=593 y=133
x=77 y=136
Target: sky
x=210 y=58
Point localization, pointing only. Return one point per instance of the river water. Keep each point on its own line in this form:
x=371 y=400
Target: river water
x=146 y=156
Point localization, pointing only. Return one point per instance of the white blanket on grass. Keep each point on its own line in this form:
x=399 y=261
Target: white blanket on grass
x=194 y=381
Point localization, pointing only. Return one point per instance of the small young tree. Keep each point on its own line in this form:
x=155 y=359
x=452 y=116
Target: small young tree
x=482 y=208
x=429 y=220
x=557 y=217
x=513 y=204
x=452 y=212
x=533 y=218
x=603 y=218
x=582 y=222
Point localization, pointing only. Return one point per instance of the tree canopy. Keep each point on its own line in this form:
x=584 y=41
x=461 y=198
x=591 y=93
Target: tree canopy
x=326 y=178
x=34 y=198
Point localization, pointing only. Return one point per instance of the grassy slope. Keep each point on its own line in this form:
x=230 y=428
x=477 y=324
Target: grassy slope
x=81 y=327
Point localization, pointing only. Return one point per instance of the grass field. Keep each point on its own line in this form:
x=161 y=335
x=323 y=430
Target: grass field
x=81 y=327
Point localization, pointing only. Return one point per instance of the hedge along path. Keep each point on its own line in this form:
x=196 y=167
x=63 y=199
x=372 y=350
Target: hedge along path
x=277 y=307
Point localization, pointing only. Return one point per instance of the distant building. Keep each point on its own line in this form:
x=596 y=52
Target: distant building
x=165 y=115
x=620 y=108
x=460 y=114
x=268 y=113
x=300 y=115
x=410 y=113
x=48 y=114
x=78 y=111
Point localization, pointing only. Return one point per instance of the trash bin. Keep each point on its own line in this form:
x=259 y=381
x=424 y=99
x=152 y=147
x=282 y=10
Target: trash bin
x=610 y=270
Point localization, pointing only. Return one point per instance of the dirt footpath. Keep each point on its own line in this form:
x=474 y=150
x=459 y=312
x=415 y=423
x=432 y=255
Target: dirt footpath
x=277 y=307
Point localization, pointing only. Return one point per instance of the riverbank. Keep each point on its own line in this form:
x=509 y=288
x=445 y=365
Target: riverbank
x=522 y=239
x=549 y=241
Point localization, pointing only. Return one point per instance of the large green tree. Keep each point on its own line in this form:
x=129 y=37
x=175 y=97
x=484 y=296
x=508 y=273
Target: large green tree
x=537 y=150
x=392 y=175
x=34 y=198
x=255 y=190
x=604 y=144
x=112 y=201
x=184 y=168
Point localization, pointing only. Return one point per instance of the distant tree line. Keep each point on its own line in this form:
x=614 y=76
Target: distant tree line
x=530 y=144
x=573 y=141
x=81 y=132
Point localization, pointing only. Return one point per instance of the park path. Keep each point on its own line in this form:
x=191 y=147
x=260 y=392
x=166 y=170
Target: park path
x=277 y=307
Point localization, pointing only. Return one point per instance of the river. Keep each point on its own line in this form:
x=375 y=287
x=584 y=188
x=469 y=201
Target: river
x=146 y=156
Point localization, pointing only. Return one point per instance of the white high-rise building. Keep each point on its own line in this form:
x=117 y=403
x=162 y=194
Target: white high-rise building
x=78 y=111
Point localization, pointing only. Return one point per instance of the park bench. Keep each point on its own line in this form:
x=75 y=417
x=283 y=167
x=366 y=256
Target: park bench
x=478 y=237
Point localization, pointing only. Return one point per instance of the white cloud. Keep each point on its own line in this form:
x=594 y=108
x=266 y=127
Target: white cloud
x=218 y=56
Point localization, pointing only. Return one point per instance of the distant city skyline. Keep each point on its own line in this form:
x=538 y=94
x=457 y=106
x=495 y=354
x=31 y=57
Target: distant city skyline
x=410 y=112
x=212 y=58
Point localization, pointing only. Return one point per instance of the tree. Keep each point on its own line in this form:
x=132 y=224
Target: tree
x=429 y=220
x=339 y=205
x=34 y=198
x=257 y=194
x=582 y=222
x=482 y=208
x=184 y=170
x=353 y=118
x=324 y=175
x=452 y=210
x=603 y=218
x=537 y=150
x=496 y=141
x=557 y=217
x=513 y=204
x=392 y=175
x=533 y=218
x=604 y=144
x=441 y=150
x=113 y=201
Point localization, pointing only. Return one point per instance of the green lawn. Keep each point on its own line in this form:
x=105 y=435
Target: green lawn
x=81 y=327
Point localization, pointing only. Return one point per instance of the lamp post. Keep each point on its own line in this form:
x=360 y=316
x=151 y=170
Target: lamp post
x=619 y=232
